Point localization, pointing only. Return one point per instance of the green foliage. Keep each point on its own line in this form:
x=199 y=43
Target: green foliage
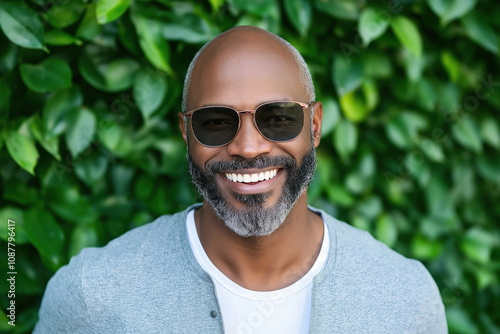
x=90 y=146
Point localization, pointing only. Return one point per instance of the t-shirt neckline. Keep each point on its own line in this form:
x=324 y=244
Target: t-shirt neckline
x=233 y=287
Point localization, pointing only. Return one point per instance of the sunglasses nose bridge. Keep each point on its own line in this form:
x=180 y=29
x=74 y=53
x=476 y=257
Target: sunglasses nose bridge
x=247 y=114
x=248 y=142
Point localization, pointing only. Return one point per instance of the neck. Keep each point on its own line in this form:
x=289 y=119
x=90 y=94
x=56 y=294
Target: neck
x=263 y=263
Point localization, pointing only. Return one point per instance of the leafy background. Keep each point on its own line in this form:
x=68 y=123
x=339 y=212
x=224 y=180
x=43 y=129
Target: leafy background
x=90 y=147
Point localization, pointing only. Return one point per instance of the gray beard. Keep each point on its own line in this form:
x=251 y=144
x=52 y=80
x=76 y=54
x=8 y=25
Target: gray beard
x=254 y=220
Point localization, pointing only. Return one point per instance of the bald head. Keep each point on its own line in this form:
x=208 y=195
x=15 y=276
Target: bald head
x=241 y=49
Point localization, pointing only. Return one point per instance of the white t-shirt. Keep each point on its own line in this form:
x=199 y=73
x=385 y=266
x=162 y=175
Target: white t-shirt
x=244 y=311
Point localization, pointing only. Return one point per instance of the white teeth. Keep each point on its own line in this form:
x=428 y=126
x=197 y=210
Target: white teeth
x=249 y=178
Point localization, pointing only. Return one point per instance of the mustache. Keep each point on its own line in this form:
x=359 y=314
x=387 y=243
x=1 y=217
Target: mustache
x=239 y=163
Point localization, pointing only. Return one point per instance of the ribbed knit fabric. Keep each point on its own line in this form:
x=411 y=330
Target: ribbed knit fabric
x=148 y=281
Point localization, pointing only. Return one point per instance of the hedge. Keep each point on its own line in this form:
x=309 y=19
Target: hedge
x=90 y=145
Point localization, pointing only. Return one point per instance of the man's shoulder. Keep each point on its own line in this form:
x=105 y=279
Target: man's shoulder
x=359 y=250
x=366 y=279
x=143 y=243
x=136 y=277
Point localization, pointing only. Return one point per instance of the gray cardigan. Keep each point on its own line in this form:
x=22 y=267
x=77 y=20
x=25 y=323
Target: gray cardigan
x=148 y=281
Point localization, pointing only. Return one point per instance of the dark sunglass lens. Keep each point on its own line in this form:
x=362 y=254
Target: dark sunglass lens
x=215 y=126
x=280 y=121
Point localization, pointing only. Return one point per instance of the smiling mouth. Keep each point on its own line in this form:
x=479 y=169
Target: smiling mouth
x=251 y=178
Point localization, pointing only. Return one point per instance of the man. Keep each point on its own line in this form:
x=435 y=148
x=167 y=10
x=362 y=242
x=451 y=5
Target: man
x=253 y=258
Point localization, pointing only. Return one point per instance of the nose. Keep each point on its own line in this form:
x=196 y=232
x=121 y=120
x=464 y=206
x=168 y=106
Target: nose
x=248 y=143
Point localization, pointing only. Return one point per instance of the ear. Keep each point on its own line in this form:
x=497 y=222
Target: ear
x=317 y=121
x=182 y=125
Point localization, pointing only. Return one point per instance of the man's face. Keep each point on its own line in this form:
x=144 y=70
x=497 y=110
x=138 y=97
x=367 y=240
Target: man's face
x=243 y=78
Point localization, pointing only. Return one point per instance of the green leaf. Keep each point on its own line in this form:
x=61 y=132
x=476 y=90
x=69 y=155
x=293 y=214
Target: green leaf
x=69 y=204
x=485 y=278
x=342 y=9
x=459 y=321
x=91 y=67
x=189 y=28
x=50 y=75
x=23 y=151
x=433 y=227
x=331 y=116
x=414 y=66
x=120 y=74
x=49 y=143
x=144 y=187
x=466 y=132
x=451 y=65
x=338 y=195
x=21 y=25
x=370 y=93
x=91 y=169
x=216 y=4
x=128 y=36
x=353 y=107
x=345 y=138
x=8 y=56
x=121 y=178
x=488 y=168
x=299 y=13
x=478 y=244
x=380 y=66
x=89 y=28
x=173 y=150
x=424 y=249
x=372 y=24
x=65 y=14
x=114 y=76
x=490 y=131
x=260 y=22
x=370 y=207
x=58 y=105
x=433 y=150
x=150 y=88
x=152 y=42
x=426 y=95
x=110 y=10
x=347 y=75
x=16 y=191
x=44 y=232
x=356 y=184
x=4 y=322
x=408 y=35
x=402 y=129
x=258 y=7
x=16 y=215
x=59 y=37
x=481 y=32
x=82 y=236
x=438 y=201
x=449 y=97
x=110 y=135
x=386 y=230
x=449 y=10
x=80 y=131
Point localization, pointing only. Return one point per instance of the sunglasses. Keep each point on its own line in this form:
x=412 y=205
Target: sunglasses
x=278 y=121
